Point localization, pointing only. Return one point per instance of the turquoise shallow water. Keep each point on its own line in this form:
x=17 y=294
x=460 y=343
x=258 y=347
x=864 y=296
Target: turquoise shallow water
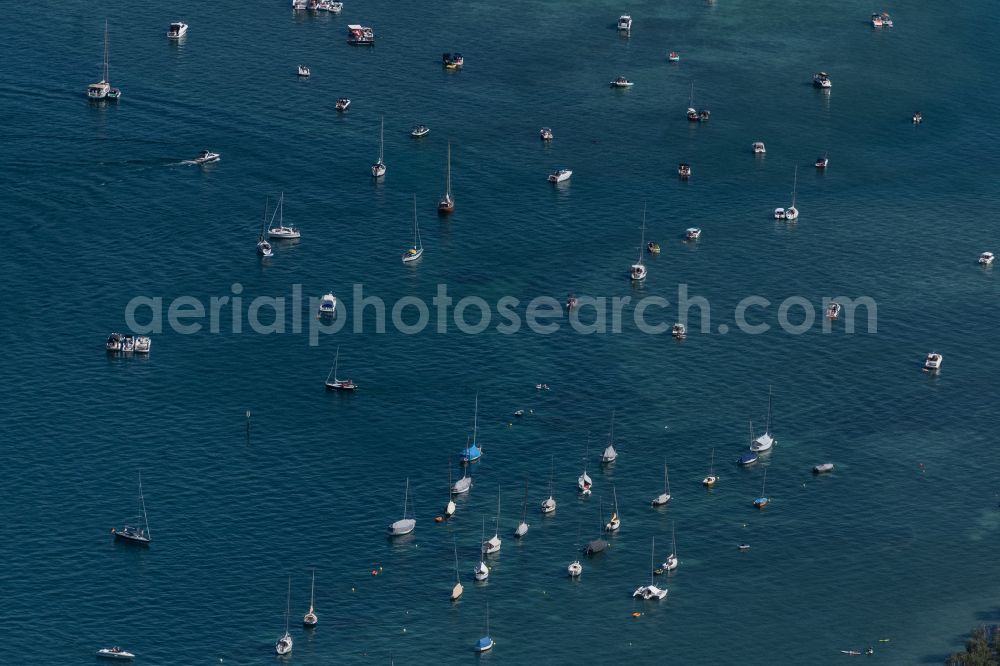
x=103 y=212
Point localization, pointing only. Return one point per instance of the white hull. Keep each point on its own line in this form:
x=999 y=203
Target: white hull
x=549 y=505
x=482 y=572
x=649 y=592
x=762 y=443
x=661 y=500
x=574 y=569
x=402 y=527
x=521 y=530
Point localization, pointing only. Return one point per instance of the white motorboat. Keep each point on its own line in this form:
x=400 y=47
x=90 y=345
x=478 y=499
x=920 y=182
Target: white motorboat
x=933 y=361
x=142 y=344
x=621 y=82
x=378 y=168
x=492 y=545
x=177 y=30
x=417 y=251
x=610 y=454
x=404 y=525
x=284 y=644
x=758 y=148
x=327 y=305
x=651 y=591
x=833 y=310
x=625 y=22
x=823 y=162
x=684 y=170
x=560 y=175
x=765 y=441
x=138 y=531
x=663 y=497
x=823 y=468
x=876 y=20
x=693 y=233
x=679 y=331
x=822 y=80
x=918 y=118
x=310 y=619
x=419 y=131
x=674 y=56
x=103 y=89
x=206 y=157
x=986 y=259
x=360 y=35
x=304 y=71
x=300 y=5
x=336 y=7
x=342 y=104
x=115 y=652
x=281 y=232
x=546 y=134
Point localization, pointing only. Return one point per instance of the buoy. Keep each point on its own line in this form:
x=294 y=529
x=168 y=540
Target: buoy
x=352 y=589
x=636 y=614
x=374 y=572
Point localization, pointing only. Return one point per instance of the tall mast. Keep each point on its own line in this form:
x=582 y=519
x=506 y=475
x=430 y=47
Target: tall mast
x=475 y=421
x=288 y=603
x=105 y=79
x=381 y=131
x=447 y=182
x=795 y=184
x=416 y=229
x=142 y=503
x=767 y=429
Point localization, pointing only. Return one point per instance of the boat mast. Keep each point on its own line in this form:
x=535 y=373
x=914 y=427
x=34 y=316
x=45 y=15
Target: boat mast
x=288 y=604
x=642 y=238
x=475 y=421
x=142 y=503
x=795 y=184
x=524 y=505
x=381 y=131
x=652 y=549
x=105 y=79
x=312 y=592
x=666 y=479
x=406 y=496
x=767 y=429
x=416 y=228
x=454 y=544
x=711 y=464
x=447 y=182
x=498 y=511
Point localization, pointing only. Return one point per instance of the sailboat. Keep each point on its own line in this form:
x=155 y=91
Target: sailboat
x=103 y=89
x=584 y=482
x=333 y=383
x=263 y=247
x=610 y=455
x=417 y=251
x=462 y=485
x=651 y=591
x=493 y=544
x=473 y=452
x=710 y=480
x=575 y=568
x=748 y=457
x=310 y=620
x=135 y=534
x=284 y=644
x=522 y=527
x=765 y=441
x=456 y=591
x=692 y=113
x=615 y=521
x=763 y=500
x=482 y=572
x=486 y=642
x=281 y=232
x=671 y=562
x=404 y=525
x=638 y=269
x=790 y=213
x=446 y=205
x=549 y=505
x=450 y=508
x=378 y=169
x=664 y=497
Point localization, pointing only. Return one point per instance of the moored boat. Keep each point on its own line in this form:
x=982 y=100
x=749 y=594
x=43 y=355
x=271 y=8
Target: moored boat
x=758 y=148
x=625 y=23
x=822 y=80
x=621 y=82
x=823 y=468
x=342 y=104
x=560 y=175
x=684 y=170
x=103 y=88
x=446 y=205
x=115 y=652
x=360 y=35
x=986 y=259
x=653 y=247
x=692 y=233
x=822 y=162
x=334 y=383
x=546 y=134
x=679 y=331
x=177 y=30
x=933 y=361
x=420 y=131
x=674 y=56
x=833 y=310
x=304 y=71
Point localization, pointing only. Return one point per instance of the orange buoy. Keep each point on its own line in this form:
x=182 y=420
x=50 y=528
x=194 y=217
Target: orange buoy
x=636 y=614
x=438 y=519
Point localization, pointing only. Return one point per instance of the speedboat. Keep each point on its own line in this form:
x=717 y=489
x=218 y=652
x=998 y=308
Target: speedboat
x=822 y=162
x=649 y=592
x=264 y=248
x=833 y=310
x=177 y=30
x=877 y=20
x=328 y=305
x=142 y=344
x=823 y=468
x=679 y=331
x=452 y=60
x=693 y=233
x=342 y=104
x=115 y=653
x=918 y=118
x=684 y=170
x=986 y=259
x=934 y=361
x=653 y=247
x=303 y=70
x=420 y=130
x=779 y=213
x=743 y=547
x=206 y=157
x=886 y=20
x=299 y=5
x=625 y=22
x=574 y=569
x=758 y=148
x=545 y=133
x=822 y=80
x=621 y=82
x=114 y=343
x=360 y=35
x=560 y=175
x=674 y=56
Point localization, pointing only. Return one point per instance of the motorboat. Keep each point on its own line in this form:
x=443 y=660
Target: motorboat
x=303 y=71
x=653 y=247
x=986 y=259
x=342 y=104
x=546 y=134
x=300 y=5
x=650 y=592
x=404 y=525
x=684 y=170
x=115 y=652
x=758 y=148
x=822 y=162
x=625 y=22
x=886 y=20
x=206 y=157
x=621 y=82
x=876 y=20
x=360 y=35
x=114 y=343
x=177 y=30
x=334 y=383
x=560 y=175
x=335 y=7
x=679 y=331
x=881 y=20
x=142 y=344
x=918 y=118
x=833 y=310
x=779 y=213
x=822 y=80
x=452 y=60
x=693 y=233
x=704 y=115
x=281 y=232
x=743 y=547
x=574 y=569
x=823 y=468
x=420 y=130
x=933 y=361
x=674 y=56
x=327 y=305
x=103 y=89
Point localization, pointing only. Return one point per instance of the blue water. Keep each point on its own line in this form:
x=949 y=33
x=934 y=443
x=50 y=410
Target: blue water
x=898 y=543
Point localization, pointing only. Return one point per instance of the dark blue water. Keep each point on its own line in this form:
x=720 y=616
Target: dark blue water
x=898 y=543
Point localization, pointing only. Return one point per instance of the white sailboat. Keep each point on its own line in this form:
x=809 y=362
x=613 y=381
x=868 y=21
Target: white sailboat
x=549 y=505
x=610 y=454
x=664 y=497
x=404 y=525
x=710 y=480
x=310 y=620
x=463 y=485
x=638 y=270
x=765 y=441
x=492 y=545
x=651 y=591
x=671 y=562
x=615 y=522
x=482 y=571
x=790 y=213
x=138 y=534
x=103 y=89
x=417 y=251
x=334 y=383
x=284 y=644
x=450 y=508
x=281 y=232
x=446 y=205
x=584 y=482
x=575 y=568
x=522 y=527
x=456 y=592
x=378 y=169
